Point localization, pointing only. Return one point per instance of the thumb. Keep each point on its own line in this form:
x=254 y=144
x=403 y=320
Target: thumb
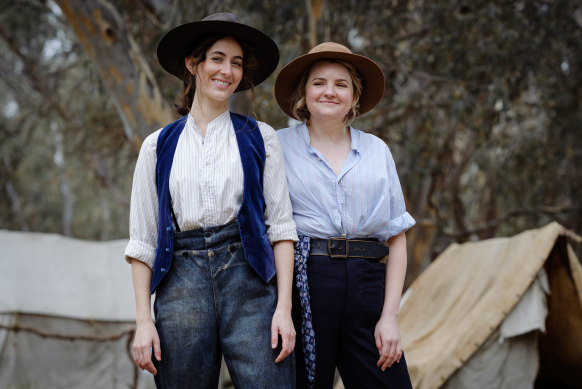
x=274 y=336
x=157 y=349
x=378 y=340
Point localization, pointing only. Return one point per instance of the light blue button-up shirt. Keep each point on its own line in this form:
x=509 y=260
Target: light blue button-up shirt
x=364 y=200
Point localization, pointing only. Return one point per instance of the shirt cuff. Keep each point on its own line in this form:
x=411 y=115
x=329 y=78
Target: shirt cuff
x=141 y=251
x=285 y=231
x=401 y=223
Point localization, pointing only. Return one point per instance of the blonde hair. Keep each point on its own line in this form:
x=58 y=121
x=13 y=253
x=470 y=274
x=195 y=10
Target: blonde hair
x=299 y=103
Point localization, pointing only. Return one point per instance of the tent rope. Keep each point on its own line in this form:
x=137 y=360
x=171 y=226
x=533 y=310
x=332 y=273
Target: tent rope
x=87 y=338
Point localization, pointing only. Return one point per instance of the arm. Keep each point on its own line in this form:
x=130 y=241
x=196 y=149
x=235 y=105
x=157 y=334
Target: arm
x=146 y=335
x=140 y=252
x=387 y=333
x=282 y=323
x=282 y=233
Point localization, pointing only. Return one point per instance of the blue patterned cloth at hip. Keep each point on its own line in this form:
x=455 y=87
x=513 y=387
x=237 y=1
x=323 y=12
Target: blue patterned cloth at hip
x=307 y=333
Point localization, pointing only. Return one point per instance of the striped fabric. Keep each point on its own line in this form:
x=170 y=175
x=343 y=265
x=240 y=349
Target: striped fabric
x=206 y=185
x=364 y=200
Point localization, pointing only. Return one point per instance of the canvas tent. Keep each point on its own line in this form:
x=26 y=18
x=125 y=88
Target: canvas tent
x=67 y=314
x=499 y=313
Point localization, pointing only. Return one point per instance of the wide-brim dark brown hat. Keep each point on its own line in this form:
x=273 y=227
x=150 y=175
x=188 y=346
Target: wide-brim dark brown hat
x=178 y=43
x=371 y=74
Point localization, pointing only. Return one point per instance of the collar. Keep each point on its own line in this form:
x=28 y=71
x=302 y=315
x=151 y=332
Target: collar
x=216 y=122
x=304 y=132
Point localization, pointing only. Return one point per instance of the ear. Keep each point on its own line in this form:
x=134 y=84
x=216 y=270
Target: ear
x=189 y=61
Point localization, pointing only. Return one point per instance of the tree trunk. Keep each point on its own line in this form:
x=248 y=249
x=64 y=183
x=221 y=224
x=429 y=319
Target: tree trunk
x=120 y=65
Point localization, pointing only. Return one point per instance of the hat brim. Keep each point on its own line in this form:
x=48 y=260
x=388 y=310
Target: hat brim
x=371 y=74
x=178 y=42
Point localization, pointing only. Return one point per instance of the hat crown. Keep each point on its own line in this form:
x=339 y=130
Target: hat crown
x=330 y=46
x=221 y=16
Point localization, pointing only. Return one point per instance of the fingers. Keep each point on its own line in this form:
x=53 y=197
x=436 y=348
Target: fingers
x=149 y=366
x=142 y=357
x=287 y=344
x=143 y=345
x=390 y=353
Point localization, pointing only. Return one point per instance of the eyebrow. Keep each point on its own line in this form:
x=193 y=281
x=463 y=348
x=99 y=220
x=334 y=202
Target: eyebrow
x=325 y=79
x=224 y=55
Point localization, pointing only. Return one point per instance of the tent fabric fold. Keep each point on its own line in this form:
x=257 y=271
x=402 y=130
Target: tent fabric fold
x=462 y=300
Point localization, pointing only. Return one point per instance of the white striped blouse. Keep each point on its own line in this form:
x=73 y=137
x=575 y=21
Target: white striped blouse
x=364 y=200
x=206 y=185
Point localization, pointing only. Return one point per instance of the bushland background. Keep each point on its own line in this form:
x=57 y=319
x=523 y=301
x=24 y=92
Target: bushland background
x=482 y=110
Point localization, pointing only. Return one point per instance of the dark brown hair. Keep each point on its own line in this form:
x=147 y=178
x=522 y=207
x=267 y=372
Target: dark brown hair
x=198 y=52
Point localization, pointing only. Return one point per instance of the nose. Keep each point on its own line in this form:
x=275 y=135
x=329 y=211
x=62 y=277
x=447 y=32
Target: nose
x=329 y=90
x=226 y=68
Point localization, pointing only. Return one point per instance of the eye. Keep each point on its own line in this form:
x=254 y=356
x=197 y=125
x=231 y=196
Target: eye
x=317 y=83
x=216 y=59
x=342 y=85
x=238 y=64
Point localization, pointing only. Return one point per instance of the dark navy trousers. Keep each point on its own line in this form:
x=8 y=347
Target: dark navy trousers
x=346 y=296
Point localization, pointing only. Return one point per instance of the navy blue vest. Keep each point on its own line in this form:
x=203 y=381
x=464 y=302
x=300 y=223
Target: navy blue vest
x=250 y=217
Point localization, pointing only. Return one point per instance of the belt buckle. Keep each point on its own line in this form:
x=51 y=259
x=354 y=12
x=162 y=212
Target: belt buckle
x=329 y=248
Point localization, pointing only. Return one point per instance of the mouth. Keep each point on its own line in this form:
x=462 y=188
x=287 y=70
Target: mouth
x=329 y=102
x=221 y=83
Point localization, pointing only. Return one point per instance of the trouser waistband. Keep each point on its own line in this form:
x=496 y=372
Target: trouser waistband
x=342 y=248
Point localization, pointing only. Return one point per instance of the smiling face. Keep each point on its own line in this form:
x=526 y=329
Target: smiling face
x=218 y=76
x=329 y=91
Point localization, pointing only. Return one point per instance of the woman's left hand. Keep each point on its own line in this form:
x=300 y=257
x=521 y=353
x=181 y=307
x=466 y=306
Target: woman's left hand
x=387 y=335
x=282 y=325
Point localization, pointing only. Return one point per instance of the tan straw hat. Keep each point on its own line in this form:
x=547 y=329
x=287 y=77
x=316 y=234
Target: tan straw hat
x=179 y=41
x=371 y=74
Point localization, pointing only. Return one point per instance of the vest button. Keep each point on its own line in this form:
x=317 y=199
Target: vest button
x=167 y=249
x=207 y=234
x=163 y=270
x=169 y=228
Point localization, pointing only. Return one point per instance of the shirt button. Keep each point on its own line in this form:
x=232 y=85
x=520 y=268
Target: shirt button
x=207 y=234
x=210 y=253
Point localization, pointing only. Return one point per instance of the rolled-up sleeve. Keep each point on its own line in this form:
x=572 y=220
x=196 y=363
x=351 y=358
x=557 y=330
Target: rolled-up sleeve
x=278 y=211
x=143 y=214
x=400 y=219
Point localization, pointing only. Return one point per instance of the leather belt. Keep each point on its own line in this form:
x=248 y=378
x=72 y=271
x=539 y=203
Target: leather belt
x=342 y=248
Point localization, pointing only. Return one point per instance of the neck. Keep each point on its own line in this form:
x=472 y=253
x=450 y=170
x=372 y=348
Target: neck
x=334 y=131
x=204 y=111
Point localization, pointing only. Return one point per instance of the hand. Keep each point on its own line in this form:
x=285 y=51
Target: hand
x=388 y=342
x=146 y=337
x=282 y=324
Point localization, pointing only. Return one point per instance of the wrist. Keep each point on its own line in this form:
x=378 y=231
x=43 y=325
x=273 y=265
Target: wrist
x=284 y=306
x=144 y=320
x=387 y=313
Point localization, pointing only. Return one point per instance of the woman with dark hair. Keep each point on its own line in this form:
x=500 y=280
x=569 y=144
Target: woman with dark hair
x=347 y=204
x=211 y=222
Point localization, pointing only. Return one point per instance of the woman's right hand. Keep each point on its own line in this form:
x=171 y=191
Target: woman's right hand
x=146 y=338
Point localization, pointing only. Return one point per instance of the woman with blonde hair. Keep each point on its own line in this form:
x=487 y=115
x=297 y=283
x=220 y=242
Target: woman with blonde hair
x=347 y=202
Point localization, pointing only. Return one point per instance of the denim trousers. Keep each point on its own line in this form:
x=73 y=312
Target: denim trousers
x=213 y=304
x=347 y=296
